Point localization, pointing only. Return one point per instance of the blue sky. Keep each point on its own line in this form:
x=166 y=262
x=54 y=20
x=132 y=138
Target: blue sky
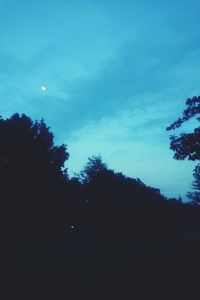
x=116 y=74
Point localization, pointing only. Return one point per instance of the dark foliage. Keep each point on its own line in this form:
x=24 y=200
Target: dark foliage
x=187 y=145
x=193 y=109
x=121 y=208
x=32 y=179
x=195 y=195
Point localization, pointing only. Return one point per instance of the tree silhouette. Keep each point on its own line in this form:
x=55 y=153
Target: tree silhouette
x=195 y=195
x=187 y=145
x=121 y=207
x=32 y=178
x=93 y=168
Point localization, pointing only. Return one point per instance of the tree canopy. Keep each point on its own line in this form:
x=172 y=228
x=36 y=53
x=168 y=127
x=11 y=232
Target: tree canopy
x=119 y=207
x=187 y=145
x=32 y=177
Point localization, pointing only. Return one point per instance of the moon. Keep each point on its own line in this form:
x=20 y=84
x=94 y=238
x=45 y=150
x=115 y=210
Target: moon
x=43 y=88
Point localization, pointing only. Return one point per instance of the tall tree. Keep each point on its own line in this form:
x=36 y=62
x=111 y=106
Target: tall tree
x=195 y=195
x=32 y=178
x=92 y=169
x=187 y=145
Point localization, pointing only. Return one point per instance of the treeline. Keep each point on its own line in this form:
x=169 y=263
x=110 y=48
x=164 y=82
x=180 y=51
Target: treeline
x=39 y=200
x=116 y=207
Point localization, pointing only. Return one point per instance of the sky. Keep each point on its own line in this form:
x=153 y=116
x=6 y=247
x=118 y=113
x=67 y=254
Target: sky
x=107 y=76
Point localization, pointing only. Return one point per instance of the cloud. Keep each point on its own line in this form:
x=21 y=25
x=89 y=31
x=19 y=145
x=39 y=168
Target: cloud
x=138 y=76
x=154 y=63
x=10 y=67
x=158 y=61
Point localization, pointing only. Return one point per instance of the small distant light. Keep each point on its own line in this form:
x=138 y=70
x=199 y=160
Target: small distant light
x=43 y=88
x=72 y=226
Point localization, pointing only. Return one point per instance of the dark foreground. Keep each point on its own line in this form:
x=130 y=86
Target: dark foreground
x=138 y=269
